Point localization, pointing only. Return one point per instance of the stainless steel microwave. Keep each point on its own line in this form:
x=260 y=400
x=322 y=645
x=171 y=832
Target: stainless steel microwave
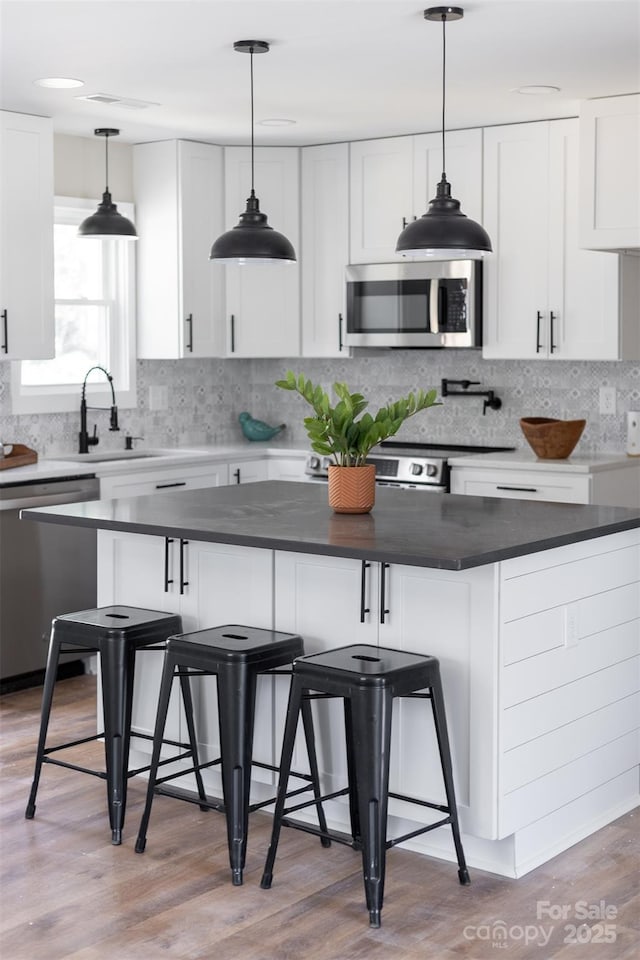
x=426 y=304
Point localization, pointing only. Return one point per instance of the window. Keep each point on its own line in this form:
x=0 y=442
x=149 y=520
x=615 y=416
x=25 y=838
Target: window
x=94 y=319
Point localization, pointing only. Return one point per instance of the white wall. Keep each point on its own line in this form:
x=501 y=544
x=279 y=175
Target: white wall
x=79 y=168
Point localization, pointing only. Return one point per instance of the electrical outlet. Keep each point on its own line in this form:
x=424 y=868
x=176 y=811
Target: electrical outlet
x=608 y=400
x=571 y=633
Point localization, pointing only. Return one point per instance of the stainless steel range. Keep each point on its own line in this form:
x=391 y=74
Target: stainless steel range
x=407 y=466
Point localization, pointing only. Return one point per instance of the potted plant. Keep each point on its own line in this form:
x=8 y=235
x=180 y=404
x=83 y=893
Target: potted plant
x=347 y=434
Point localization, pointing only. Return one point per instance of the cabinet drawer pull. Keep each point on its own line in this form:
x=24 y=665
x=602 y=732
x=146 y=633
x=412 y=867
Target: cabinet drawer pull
x=233 y=333
x=363 y=587
x=183 y=583
x=165 y=486
x=5 y=332
x=167 y=581
x=383 y=590
x=538 y=344
x=522 y=489
x=189 y=344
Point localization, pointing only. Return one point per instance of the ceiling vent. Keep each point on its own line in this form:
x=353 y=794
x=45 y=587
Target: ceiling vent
x=126 y=102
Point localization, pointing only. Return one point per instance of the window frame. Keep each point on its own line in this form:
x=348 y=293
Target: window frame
x=65 y=398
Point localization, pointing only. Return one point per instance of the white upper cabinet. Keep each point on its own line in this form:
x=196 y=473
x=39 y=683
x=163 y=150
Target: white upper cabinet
x=381 y=186
x=27 y=329
x=263 y=300
x=179 y=213
x=393 y=180
x=544 y=296
x=610 y=173
x=325 y=248
x=463 y=169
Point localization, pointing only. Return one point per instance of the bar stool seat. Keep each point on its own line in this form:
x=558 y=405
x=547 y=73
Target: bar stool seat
x=368 y=679
x=116 y=633
x=236 y=655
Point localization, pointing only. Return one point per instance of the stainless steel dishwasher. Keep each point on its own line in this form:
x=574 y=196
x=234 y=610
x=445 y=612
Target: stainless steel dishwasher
x=45 y=569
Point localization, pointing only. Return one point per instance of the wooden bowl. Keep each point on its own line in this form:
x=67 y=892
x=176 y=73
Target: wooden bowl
x=552 y=439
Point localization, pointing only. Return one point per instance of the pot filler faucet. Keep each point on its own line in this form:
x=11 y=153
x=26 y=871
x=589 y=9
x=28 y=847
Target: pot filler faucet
x=492 y=402
x=85 y=440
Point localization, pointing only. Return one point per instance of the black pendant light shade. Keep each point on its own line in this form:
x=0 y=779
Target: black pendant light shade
x=444 y=232
x=107 y=222
x=252 y=240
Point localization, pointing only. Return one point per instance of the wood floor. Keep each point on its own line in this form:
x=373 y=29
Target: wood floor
x=67 y=894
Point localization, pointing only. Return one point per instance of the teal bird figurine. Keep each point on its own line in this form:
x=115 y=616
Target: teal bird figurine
x=257 y=429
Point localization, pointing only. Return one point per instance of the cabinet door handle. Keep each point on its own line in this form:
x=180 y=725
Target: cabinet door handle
x=552 y=345
x=189 y=344
x=167 y=581
x=5 y=332
x=383 y=590
x=522 y=489
x=340 y=344
x=165 y=486
x=183 y=583
x=538 y=319
x=363 y=588
x=236 y=474
x=233 y=333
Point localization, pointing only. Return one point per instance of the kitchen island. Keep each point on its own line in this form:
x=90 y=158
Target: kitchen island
x=532 y=608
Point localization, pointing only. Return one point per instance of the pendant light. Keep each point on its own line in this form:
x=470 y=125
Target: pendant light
x=444 y=232
x=106 y=223
x=252 y=240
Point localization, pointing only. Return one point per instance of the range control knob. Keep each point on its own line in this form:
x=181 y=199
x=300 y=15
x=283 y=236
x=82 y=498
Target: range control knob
x=416 y=469
x=326 y=462
x=432 y=470
x=314 y=463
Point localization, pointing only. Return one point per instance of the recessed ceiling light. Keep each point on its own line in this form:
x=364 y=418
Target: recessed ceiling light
x=59 y=83
x=536 y=90
x=276 y=122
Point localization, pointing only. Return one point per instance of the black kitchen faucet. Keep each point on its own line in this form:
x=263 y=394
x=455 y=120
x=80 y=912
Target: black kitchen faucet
x=85 y=441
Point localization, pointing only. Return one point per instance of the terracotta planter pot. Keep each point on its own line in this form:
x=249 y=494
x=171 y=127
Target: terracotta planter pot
x=352 y=489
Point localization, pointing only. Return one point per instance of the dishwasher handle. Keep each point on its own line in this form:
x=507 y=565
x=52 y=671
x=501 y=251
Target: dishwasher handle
x=50 y=500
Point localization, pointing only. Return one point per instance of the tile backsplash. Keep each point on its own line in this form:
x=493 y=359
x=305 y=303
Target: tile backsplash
x=206 y=396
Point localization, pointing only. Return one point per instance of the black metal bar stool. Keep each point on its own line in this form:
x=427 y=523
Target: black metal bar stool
x=116 y=633
x=236 y=655
x=368 y=679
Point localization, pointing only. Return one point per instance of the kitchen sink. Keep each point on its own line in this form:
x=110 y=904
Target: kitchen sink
x=115 y=455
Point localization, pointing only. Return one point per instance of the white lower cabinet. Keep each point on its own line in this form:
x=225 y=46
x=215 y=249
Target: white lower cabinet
x=247 y=471
x=208 y=584
x=335 y=602
x=164 y=481
x=286 y=468
x=615 y=487
x=520 y=485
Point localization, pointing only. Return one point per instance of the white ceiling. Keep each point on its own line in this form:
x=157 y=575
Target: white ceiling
x=342 y=69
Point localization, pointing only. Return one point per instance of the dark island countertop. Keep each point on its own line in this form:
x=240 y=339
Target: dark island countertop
x=444 y=531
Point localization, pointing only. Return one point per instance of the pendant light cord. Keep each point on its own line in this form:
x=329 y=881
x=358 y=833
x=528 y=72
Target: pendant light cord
x=444 y=61
x=106 y=162
x=251 y=71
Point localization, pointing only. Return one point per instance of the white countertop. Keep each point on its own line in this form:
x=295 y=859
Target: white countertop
x=527 y=460
x=46 y=469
